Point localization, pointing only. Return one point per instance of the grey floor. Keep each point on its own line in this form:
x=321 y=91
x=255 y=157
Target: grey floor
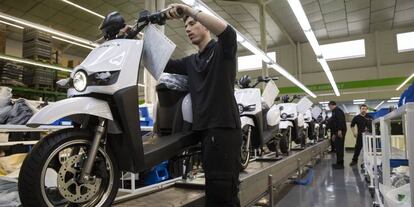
x=336 y=188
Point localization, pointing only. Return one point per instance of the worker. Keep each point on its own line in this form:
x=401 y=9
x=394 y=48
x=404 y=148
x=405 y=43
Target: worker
x=363 y=123
x=338 y=130
x=211 y=74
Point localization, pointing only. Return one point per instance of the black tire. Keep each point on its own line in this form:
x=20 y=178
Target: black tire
x=29 y=183
x=272 y=145
x=244 y=152
x=284 y=142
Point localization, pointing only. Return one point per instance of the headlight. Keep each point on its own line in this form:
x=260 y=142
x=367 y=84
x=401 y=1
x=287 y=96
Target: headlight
x=241 y=108
x=284 y=116
x=80 y=81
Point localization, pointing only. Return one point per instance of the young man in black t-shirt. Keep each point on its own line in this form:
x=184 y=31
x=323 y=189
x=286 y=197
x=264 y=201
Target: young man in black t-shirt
x=211 y=75
x=363 y=122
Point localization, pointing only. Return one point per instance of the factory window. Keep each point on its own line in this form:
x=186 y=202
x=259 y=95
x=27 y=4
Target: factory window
x=344 y=50
x=405 y=42
x=252 y=62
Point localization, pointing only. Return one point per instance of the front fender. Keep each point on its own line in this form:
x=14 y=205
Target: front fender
x=70 y=106
x=246 y=121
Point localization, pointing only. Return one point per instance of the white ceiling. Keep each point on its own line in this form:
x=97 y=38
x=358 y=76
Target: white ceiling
x=329 y=18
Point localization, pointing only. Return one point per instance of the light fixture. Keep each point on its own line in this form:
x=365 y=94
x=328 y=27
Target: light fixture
x=395 y=98
x=323 y=102
x=47 y=29
x=246 y=43
x=382 y=102
x=328 y=72
x=31 y=62
x=393 y=101
x=359 y=103
x=359 y=100
x=310 y=35
x=84 y=9
x=405 y=82
x=282 y=71
x=72 y=42
x=141 y=85
x=10 y=24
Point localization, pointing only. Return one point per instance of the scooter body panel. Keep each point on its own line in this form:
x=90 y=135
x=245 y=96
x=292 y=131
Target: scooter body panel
x=285 y=124
x=249 y=96
x=245 y=121
x=273 y=116
x=68 y=107
x=121 y=55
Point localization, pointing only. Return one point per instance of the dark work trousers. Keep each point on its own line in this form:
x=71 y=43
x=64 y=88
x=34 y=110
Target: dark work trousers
x=221 y=148
x=358 y=147
x=340 y=148
x=333 y=148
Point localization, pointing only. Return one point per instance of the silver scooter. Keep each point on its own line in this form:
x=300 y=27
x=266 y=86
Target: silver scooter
x=85 y=161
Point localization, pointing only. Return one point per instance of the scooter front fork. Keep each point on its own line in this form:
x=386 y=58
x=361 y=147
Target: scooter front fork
x=93 y=151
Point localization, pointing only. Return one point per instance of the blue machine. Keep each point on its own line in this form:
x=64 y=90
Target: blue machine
x=407 y=96
x=158 y=174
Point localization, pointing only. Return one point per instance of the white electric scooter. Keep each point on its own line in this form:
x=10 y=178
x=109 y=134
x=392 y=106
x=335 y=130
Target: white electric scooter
x=291 y=126
x=105 y=140
x=319 y=117
x=258 y=115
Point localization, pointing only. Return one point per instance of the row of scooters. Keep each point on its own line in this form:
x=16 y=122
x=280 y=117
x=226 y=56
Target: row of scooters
x=280 y=124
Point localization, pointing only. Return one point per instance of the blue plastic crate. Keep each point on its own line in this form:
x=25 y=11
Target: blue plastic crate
x=158 y=174
x=144 y=116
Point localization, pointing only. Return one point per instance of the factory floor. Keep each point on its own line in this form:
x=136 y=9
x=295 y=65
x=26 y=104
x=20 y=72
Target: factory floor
x=330 y=187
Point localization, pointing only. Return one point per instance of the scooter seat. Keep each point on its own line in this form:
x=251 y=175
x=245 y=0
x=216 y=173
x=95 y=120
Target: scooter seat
x=160 y=148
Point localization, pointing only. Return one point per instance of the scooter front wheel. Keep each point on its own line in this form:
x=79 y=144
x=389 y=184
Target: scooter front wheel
x=49 y=176
x=245 y=147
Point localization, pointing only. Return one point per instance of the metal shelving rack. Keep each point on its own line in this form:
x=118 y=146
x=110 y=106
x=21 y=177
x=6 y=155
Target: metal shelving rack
x=372 y=157
x=406 y=114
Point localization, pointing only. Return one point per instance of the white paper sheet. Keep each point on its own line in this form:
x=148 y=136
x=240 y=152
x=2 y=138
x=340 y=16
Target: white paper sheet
x=157 y=51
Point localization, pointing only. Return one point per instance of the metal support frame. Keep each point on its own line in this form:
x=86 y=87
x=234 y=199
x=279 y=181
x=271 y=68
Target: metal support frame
x=258 y=181
x=406 y=112
x=263 y=39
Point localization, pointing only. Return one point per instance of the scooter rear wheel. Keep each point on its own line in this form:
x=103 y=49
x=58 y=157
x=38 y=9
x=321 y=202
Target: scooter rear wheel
x=49 y=174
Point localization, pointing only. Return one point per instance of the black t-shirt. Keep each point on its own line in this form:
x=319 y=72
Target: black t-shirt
x=363 y=123
x=211 y=77
x=337 y=120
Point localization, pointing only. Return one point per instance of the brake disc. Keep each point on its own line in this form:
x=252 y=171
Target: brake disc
x=68 y=185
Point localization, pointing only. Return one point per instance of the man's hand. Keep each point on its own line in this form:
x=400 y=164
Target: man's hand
x=333 y=138
x=340 y=134
x=173 y=13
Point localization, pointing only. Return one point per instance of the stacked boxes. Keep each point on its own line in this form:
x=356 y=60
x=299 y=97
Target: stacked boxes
x=37 y=45
x=11 y=74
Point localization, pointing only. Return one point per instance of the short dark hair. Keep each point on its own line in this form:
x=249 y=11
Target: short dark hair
x=363 y=105
x=332 y=103
x=185 y=18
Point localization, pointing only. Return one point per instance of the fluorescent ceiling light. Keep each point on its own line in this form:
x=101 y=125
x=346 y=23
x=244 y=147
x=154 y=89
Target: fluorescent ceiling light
x=84 y=9
x=393 y=101
x=305 y=25
x=300 y=14
x=314 y=43
x=405 y=82
x=405 y=42
x=31 y=62
x=47 y=29
x=71 y=42
x=359 y=103
x=359 y=100
x=246 y=43
x=282 y=71
x=328 y=72
x=395 y=98
x=344 y=50
x=252 y=62
x=10 y=24
x=324 y=102
x=382 y=102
